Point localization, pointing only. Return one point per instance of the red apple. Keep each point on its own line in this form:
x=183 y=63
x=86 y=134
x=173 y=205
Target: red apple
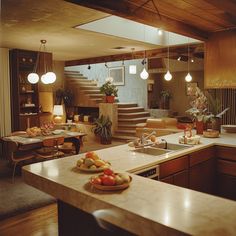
x=108 y=180
x=97 y=180
x=108 y=171
x=89 y=155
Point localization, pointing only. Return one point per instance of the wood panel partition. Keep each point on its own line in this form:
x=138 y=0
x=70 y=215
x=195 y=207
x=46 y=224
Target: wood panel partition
x=220 y=61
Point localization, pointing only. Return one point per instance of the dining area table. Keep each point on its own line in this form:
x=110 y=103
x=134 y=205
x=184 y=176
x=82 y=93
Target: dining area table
x=26 y=142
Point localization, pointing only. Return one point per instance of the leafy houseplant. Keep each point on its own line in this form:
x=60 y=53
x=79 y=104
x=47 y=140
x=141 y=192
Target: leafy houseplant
x=103 y=129
x=109 y=90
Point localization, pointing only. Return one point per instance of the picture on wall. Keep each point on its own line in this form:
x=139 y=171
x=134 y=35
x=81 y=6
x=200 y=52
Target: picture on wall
x=118 y=75
x=191 y=88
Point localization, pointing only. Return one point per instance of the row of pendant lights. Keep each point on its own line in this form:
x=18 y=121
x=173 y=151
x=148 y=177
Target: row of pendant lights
x=48 y=77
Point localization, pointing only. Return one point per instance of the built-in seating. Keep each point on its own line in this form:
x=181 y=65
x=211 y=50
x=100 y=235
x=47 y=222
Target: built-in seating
x=162 y=126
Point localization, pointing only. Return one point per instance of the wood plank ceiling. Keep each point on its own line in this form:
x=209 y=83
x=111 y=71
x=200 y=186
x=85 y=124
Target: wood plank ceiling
x=193 y=18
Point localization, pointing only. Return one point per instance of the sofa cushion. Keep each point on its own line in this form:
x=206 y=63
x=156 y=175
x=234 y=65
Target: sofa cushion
x=156 y=123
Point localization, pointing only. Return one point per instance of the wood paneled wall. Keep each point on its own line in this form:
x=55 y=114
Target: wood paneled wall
x=220 y=61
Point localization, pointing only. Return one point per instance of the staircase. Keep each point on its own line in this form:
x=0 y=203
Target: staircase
x=129 y=115
x=86 y=92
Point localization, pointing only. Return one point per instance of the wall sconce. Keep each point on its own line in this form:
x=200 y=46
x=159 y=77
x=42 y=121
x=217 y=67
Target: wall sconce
x=89 y=67
x=48 y=77
x=58 y=113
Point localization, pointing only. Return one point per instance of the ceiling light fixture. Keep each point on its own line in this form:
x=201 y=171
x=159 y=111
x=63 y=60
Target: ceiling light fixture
x=188 y=77
x=144 y=74
x=192 y=60
x=168 y=75
x=48 y=77
x=132 y=68
x=179 y=59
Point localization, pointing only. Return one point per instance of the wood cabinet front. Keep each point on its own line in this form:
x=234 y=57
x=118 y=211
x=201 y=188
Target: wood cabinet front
x=226 y=172
x=175 y=172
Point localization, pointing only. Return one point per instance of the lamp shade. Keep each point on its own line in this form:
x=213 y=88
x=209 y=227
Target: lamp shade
x=188 y=78
x=168 y=76
x=144 y=74
x=33 y=78
x=58 y=110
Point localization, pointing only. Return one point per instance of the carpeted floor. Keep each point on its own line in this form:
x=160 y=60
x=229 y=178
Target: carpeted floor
x=18 y=197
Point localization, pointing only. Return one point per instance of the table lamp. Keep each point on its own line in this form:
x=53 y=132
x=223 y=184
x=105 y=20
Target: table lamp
x=58 y=113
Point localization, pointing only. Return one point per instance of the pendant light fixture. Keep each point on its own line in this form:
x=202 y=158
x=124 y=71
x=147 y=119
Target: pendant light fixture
x=144 y=74
x=188 y=77
x=48 y=77
x=132 y=68
x=168 y=75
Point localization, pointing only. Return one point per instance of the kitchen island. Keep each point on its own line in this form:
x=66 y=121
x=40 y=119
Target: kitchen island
x=147 y=207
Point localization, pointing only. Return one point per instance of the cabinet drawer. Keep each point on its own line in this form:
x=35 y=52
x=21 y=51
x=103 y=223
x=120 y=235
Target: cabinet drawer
x=226 y=167
x=201 y=156
x=173 y=166
x=227 y=153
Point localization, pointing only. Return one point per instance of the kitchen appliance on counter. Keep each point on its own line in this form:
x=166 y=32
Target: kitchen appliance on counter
x=152 y=172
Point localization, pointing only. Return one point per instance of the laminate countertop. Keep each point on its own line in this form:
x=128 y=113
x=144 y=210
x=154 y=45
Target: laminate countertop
x=153 y=207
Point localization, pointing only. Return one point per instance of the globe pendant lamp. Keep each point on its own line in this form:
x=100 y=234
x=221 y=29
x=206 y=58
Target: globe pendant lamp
x=168 y=75
x=188 y=77
x=144 y=74
x=48 y=77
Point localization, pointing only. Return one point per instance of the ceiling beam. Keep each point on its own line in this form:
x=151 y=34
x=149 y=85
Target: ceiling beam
x=130 y=11
x=153 y=53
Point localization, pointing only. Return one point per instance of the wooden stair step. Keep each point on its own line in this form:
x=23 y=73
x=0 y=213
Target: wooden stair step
x=134 y=115
x=81 y=77
x=126 y=126
x=72 y=72
x=123 y=105
x=130 y=109
x=86 y=83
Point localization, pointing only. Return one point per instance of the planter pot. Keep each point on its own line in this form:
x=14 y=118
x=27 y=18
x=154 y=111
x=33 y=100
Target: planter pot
x=110 y=99
x=216 y=123
x=200 y=127
x=105 y=140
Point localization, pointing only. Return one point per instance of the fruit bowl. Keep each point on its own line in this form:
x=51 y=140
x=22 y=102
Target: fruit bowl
x=99 y=169
x=110 y=181
x=92 y=163
x=111 y=188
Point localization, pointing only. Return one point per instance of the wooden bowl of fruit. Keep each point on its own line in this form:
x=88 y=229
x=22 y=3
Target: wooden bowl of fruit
x=110 y=181
x=91 y=162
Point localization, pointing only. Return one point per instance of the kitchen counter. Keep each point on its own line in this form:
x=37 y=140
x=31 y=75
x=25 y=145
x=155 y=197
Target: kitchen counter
x=153 y=207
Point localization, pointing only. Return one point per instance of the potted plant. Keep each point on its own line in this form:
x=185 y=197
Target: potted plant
x=198 y=110
x=109 y=90
x=165 y=99
x=216 y=112
x=102 y=129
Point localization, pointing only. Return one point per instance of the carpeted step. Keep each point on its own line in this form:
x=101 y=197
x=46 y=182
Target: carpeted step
x=123 y=138
x=123 y=105
x=133 y=115
x=133 y=120
x=130 y=109
x=92 y=91
x=82 y=87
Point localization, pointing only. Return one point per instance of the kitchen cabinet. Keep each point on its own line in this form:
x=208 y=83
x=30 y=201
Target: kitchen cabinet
x=226 y=172
x=175 y=172
x=202 y=171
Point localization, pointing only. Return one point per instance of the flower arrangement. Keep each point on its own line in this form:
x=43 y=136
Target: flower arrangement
x=108 y=88
x=198 y=105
